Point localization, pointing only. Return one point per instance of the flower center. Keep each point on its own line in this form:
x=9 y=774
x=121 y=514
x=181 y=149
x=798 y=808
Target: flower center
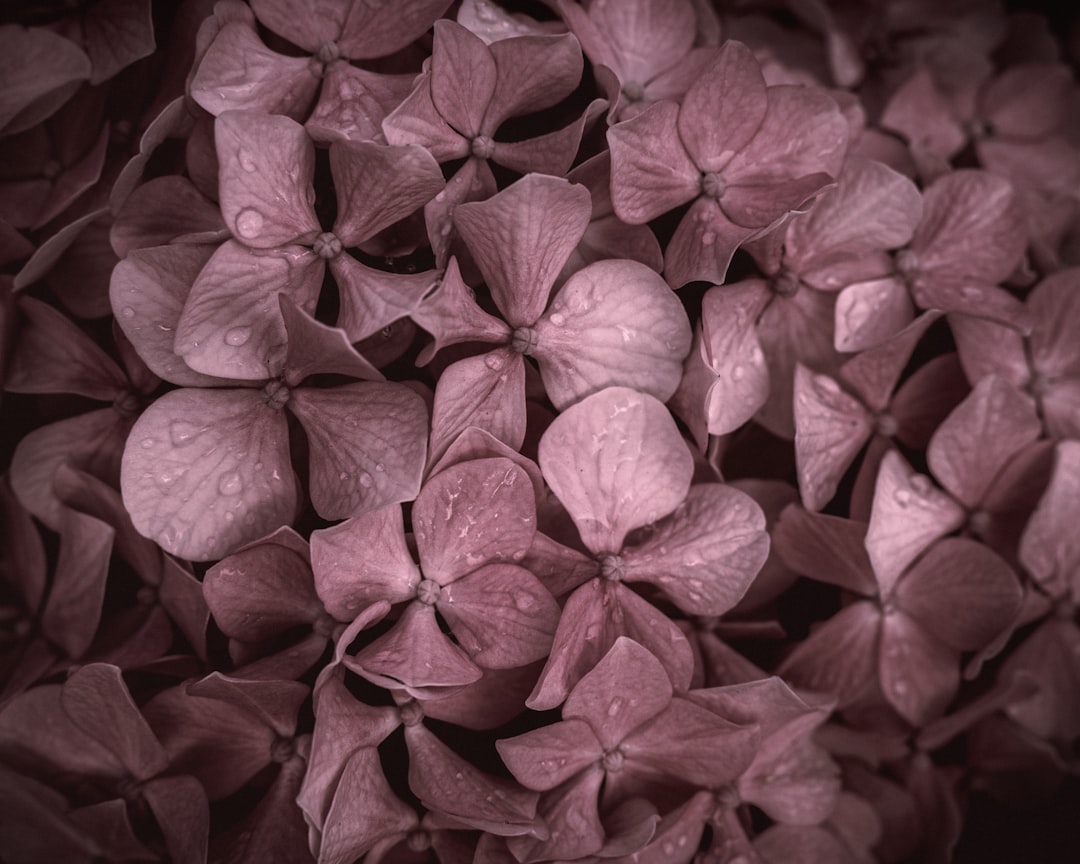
x=1039 y=384
x=282 y=750
x=327 y=245
x=524 y=340
x=483 y=147
x=327 y=53
x=411 y=713
x=613 y=760
x=633 y=91
x=418 y=841
x=979 y=523
x=126 y=404
x=713 y=185
x=907 y=263
x=611 y=568
x=276 y=394
x=785 y=284
x=886 y=425
x=428 y=591
x=727 y=798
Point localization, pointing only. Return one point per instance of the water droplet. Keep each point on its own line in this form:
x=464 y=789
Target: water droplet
x=147 y=443
x=230 y=484
x=615 y=707
x=380 y=467
x=668 y=847
x=229 y=516
x=902 y=497
x=249 y=222
x=167 y=479
x=343 y=476
x=557 y=318
x=237 y=336
x=182 y=433
x=365 y=479
x=127 y=312
x=737 y=372
x=921 y=484
x=899 y=688
x=493 y=362
x=246 y=162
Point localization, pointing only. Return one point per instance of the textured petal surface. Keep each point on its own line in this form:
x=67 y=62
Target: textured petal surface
x=208 y=470
x=617 y=462
x=1049 y=549
x=550 y=755
x=919 y=674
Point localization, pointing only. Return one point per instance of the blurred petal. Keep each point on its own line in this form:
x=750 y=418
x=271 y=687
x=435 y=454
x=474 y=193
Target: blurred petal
x=1050 y=548
x=826 y=548
x=919 y=674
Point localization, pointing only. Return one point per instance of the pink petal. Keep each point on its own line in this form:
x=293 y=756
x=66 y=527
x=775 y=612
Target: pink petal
x=831 y=428
x=724 y=108
x=520 y=239
x=1049 y=549
x=97 y=699
x=702 y=246
x=475 y=443
x=974 y=442
x=374 y=299
x=315 y=348
x=1049 y=655
x=559 y=567
x=487 y=391
x=872 y=208
x=959 y=294
x=614 y=323
x=239 y=73
x=377 y=185
x=417 y=121
x=803 y=133
x=873 y=373
x=926 y=397
x=828 y=549
x=971 y=228
x=545 y=757
x=92 y=442
x=448 y=785
x=24 y=552
x=363 y=560
x=472 y=514
x=575 y=827
x=41 y=70
x=617 y=462
x=162 y=210
x=1056 y=313
x=919 y=112
x=177 y=471
x=148 y=292
x=1028 y=100
x=267 y=167
x=594 y=616
x=908 y=514
x=705 y=555
x=493 y=701
x=919 y=674
x=353 y=102
x=180 y=807
x=764 y=205
x=367 y=444
x=839 y=656
x=501 y=615
x=651 y=172
x=415 y=655
x=531 y=73
x=51 y=354
x=961 y=592
x=463 y=77
x=364 y=811
x=600 y=697
x=231 y=326
x=72 y=613
x=551 y=153
x=369 y=31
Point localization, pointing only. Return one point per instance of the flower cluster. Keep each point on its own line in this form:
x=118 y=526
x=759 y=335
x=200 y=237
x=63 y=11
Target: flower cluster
x=641 y=431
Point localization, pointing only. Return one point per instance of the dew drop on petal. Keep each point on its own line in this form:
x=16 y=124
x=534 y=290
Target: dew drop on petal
x=249 y=222
x=365 y=479
x=493 y=362
x=557 y=319
x=182 y=433
x=147 y=443
x=229 y=516
x=230 y=484
x=127 y=312
x=246 y=162
x=237 y=336
x=902 y=497
x=737 y=372
x=380 y=467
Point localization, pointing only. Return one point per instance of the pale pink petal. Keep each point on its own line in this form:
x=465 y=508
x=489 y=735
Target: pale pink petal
x=974 y=442
x=374 y=299
x=1049 y=655
x=493 y=701
x=764 y=205
x=353 y=102
x=208 y=470
x=544 y=758
x=651 y=172
x=417 y=121
x=803 y=133
x=487 y=391
x=1055 y=308
x=148 y=291
x=909 y=513
x=231 y=325
x=873 y=373
x=372 y=30
x=829 y=549
x=463 y=77
x=239 y=73
x=961 y=592
x=472 y=514
x=926 y=397
x=919 y=674
x=550 y=153
x=317 y=349
x=614 y=323
x=559 y=567
x=377 y=185
x=361 y=561
x=961 y=294
x=162 y=210
x=705 y=555
x=1050 y=548
x=367 y=444
x=451 y=787
x=416 y=655
x=868 y=313
x=1061 y=409
x=575 y=827
x=919 y=112
x=622 y=692
x=872 y=208
x=839 y=657
x=801 y=844
x=703 y=243
x=532 y=73
x=831 y=427
x=617 y=462
x=1028 y=100
x=267 y=167
x=520 y=239
x=724 y=108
